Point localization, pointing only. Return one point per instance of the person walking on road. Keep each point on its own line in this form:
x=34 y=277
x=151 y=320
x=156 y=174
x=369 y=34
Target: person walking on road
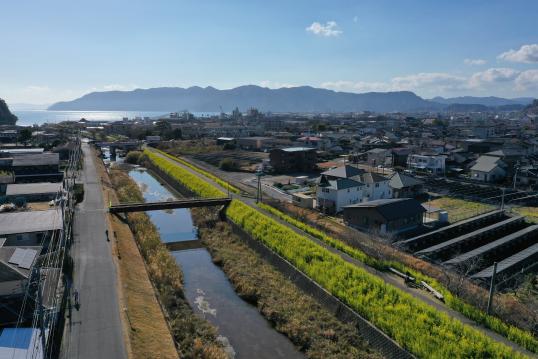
x=75 y=297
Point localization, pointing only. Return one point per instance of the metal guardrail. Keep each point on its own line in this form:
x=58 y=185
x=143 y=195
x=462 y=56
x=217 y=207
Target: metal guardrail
x=155 y=206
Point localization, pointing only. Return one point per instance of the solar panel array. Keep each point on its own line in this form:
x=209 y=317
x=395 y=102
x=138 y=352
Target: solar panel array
x=17 y=256
x=24 y=258
x=28 y=259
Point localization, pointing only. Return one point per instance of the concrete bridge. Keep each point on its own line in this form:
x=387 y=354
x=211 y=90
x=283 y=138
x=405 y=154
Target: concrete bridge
x=123 y=145
x=181 y=203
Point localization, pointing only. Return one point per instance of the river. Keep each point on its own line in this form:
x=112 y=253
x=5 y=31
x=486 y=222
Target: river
x=244 y=331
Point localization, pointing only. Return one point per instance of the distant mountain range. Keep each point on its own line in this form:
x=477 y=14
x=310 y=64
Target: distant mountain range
x=6 y=117
x=294 y=99
x=490 y=101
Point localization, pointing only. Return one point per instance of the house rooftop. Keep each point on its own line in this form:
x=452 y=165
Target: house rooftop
x=487 y=163
x=32 y=188
x=30 y=221
x=37 y=159
x=346 y=171
x=13 y=266
x=15 y=151
x=399 y=181
x=343 y=183
x=392 y=208
x=297 y=149
x=370 y=177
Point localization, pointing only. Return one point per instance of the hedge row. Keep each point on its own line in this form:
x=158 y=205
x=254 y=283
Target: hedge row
x=416 y=326
x=517 y=335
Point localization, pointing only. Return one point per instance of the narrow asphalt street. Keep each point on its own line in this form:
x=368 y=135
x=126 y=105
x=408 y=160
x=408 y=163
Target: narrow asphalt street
x=95 y=330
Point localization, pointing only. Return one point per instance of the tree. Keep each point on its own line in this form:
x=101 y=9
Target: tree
x=163 y=126
x=25 y=135
x=228 y=164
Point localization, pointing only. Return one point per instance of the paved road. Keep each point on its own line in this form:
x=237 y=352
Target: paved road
x=95 y=330
x=385 y=276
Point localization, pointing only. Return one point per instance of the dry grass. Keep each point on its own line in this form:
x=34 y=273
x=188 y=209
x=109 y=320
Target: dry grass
x=459 y=209
x=148 y=333
x=193 y=335
x=292 y=312
x=38 y=206
x=530 y=212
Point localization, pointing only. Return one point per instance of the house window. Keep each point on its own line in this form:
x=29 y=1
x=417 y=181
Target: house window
x=377 y=185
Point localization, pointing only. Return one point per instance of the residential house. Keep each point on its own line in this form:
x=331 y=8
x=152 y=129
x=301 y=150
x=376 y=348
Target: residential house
x=33 y=192
x=488 y=169
x=385 y=216
x=375 y=187
x=348 y=185
x=39 y=167
x=30 y=228
x=379 y=157
x=404 y=186
x=434 y=164
x=399 y=156
x=293 y=159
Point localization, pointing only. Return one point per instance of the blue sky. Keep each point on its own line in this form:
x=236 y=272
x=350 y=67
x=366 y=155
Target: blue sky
x=59 y=49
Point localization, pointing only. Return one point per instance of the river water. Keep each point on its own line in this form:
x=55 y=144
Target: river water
x=244 y=331
x=39 y=117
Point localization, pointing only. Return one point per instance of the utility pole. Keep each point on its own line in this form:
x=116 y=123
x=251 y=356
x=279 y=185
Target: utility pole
x=259 y=189
x=491 y=288
x=40 y=305
x=502 y=200
x=515 y=176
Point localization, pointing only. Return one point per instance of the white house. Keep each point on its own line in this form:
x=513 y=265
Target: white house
x=348 y=185
x=427 y=163
x=375 y=187
x=333 y=195
x=488 y=169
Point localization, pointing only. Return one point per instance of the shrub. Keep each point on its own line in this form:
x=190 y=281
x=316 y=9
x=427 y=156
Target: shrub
x=79 y=192
x=228 y=164
x=133 y=157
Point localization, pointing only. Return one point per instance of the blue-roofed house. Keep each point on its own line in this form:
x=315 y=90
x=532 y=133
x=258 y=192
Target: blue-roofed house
x=20 y=343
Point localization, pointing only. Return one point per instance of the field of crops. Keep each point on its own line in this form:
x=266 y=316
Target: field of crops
x=419 y=328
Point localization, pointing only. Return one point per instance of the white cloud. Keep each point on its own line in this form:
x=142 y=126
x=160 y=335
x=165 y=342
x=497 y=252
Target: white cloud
x=360 y=86
x=434 y=82
x=36 y=89
x=115 y=87
x=275 y=84
x=328 y=30
x=526 y=54
x=474 y=62
x=527 y=80
x=491 y=81
x=492 y=75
